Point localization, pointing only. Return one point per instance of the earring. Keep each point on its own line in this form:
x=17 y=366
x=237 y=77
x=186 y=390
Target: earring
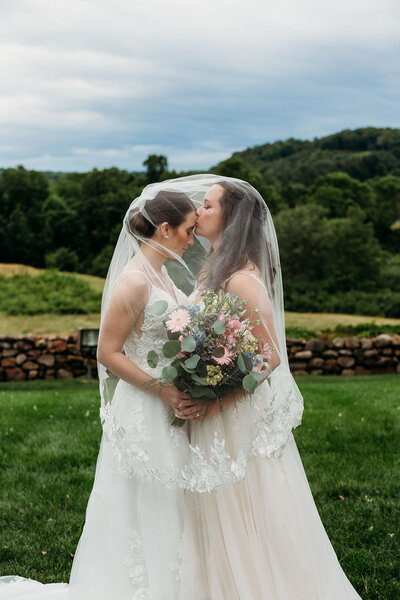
x=166 y=237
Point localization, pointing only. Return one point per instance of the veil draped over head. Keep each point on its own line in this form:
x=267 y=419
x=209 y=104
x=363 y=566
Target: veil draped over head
x=198 y=456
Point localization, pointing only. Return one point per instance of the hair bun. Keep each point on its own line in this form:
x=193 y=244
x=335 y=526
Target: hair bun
x=139 y=225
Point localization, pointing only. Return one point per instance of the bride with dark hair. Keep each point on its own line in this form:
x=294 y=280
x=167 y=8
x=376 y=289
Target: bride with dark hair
x=220 y=508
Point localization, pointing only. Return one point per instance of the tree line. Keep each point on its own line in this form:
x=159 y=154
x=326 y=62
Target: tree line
x=339 y=235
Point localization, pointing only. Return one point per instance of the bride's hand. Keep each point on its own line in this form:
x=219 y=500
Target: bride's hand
x=200 y=410
x=177 y=400
x=195 y=408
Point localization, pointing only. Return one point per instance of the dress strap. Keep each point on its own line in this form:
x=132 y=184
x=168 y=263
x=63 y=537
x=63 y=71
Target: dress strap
x=247 y=273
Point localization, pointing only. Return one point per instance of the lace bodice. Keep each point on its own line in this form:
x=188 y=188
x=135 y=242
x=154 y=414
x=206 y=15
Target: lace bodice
x=199 y=456
x=153 y=334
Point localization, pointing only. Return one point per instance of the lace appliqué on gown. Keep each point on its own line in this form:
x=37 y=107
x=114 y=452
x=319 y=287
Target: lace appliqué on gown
x=137 y=426
x=136 y=567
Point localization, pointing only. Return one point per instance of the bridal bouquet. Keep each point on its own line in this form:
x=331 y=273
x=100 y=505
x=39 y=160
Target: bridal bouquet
x=212 y=347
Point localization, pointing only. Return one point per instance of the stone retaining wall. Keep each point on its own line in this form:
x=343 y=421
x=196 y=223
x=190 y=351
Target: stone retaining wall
x=345 y=356
x=51 y=357
x=44 y=357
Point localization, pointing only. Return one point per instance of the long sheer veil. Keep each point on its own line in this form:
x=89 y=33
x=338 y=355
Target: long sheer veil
x=259 y=425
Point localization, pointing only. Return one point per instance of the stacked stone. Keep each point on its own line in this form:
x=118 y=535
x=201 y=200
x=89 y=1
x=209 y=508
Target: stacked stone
x=345 y=356
x=47 y=357
x=51 y=357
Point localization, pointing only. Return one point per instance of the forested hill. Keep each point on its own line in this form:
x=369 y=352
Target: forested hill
x=361 y=153
x=335 y=203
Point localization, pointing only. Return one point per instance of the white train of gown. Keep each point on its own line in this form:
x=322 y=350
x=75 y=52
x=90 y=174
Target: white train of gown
x=260 y=539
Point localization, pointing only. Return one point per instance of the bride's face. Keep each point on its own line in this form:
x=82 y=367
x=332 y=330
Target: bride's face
x=179 y=238
x=209 y=216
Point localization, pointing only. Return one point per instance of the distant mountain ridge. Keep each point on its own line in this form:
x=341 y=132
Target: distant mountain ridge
x=363 y=153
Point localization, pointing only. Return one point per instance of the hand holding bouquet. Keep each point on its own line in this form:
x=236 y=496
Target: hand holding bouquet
x=212 y=347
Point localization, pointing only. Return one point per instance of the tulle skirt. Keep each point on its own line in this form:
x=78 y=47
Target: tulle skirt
x=261 y=539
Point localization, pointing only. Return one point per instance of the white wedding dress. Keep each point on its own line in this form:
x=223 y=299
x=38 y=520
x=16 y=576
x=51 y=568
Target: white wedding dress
x=260 y=539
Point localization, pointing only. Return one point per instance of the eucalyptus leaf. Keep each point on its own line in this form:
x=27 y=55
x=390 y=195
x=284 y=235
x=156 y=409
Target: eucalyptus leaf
x=152 y=359
x=191 y=363
x=198 y=379
x=171 y=348
x=185 y=368
x=249 y=383
x=210 y=394
x=169 y=373
x=201 y=368
x=188 y=343
x=198 y=392
x=244 y=363
x=248 y=362
x=260 y=376
x=159 y=307
x=219 y=327
x=240 y=363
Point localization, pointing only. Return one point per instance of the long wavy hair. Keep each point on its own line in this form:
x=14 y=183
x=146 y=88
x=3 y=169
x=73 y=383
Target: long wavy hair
x=243 y=239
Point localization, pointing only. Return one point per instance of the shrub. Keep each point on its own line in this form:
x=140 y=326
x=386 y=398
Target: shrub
x=49 y=292
x=63 y=259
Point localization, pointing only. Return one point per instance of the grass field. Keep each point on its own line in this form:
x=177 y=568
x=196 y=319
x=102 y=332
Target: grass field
x=66 y=324
x=349 y=442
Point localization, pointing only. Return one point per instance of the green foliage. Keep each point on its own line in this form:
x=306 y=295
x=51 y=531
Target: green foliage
x=387 y=210
x=361 y=330
x=383 y=303
x=171 y=348
x=335 y=201
x=63 y=259
x=188 y=343
x=365 y=329
x=391 y=272
x=363 y=154
x=101 y=262
x=338 y=192
x=335 y=265
x=250 y=383
x=152 y=359
x=235 y=167
x=169 y=373
x=22 y=194
x=156 y=165
x=49 y=292
x=159 y=307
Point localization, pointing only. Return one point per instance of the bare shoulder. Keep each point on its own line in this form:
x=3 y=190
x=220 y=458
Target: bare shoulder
x=249 y=286
x=132 y=286
x=242 y=280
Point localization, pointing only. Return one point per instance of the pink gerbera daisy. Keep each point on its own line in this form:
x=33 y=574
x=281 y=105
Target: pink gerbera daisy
x=225 y=359
x=178 y=320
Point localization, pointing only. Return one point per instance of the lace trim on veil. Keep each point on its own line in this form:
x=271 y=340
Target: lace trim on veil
x=263 y=430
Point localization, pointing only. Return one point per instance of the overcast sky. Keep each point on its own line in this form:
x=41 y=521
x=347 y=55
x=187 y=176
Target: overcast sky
x=104 y=83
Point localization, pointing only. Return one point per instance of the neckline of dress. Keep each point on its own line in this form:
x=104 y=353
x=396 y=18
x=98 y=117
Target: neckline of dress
x=173 y=295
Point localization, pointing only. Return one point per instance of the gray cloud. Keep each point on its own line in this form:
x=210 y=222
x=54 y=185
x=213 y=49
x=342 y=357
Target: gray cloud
x=89 y=84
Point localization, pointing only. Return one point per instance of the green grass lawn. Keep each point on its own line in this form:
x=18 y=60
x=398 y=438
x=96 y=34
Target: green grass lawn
x=65 y=324
x=349 y=442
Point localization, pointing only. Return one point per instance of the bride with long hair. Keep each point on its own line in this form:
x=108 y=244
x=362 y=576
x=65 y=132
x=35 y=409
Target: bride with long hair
x=220 y=508
x=262 y=537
